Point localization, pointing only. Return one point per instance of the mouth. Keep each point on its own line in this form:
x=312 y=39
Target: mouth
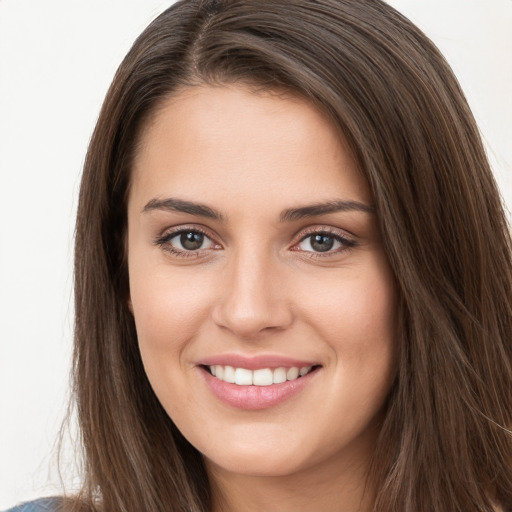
x=261 y=387
x=258 y=377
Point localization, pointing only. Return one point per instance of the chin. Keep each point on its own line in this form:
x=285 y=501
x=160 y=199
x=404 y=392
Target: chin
x=265 y=455
x=262 y=465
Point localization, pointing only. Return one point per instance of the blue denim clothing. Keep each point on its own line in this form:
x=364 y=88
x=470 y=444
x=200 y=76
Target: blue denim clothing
x=41 y=505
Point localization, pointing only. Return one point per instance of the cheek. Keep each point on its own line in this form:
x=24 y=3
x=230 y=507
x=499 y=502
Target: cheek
x=355 y=316
x=169 y=309
x=168 y=313
x=354 y=311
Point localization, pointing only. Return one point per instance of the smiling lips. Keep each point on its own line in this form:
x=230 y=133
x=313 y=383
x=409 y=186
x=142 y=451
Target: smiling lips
x=260 y=377
x=256 y=387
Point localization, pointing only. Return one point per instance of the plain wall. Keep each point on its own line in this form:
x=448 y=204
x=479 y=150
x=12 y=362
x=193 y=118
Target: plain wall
x=57 y=59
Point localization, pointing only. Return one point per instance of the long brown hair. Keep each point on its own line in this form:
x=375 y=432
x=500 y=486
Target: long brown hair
x=444 y=442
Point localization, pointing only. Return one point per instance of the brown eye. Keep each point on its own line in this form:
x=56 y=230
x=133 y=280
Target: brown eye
x=321 y=243
x=191 y=241
x=185 y=241
x=325 y=242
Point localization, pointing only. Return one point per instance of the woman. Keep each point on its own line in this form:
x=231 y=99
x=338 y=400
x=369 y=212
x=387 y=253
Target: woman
x=293 y=272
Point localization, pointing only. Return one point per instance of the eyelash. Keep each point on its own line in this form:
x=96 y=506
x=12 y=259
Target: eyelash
x=164 y=241
x=347 y=243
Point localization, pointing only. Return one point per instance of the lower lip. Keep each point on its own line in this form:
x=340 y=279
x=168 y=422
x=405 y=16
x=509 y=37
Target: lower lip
x=256 y=397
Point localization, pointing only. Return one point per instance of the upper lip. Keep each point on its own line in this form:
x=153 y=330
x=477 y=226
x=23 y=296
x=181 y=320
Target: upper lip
x=255 y=362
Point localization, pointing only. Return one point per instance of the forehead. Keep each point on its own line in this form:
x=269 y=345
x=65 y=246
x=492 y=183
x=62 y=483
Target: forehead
x=229 y=140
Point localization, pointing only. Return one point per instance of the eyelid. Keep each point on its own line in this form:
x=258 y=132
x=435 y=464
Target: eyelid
x=340 y=235
x=165 y=236
x=325 y=228
x=346 y=240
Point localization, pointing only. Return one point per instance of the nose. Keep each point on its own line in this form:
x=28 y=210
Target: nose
x=253 y=298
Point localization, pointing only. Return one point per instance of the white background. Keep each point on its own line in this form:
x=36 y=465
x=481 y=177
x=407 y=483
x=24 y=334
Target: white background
x=57 y=58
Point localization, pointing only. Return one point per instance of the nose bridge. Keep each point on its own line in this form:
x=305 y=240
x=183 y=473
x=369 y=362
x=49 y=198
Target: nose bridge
x=253 y=298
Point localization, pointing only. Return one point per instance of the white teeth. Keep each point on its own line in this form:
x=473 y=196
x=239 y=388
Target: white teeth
x=279 y=375
x=260 y=377
x=229 y=374
x=303 y=370
x=292 y=373
x=243 y=377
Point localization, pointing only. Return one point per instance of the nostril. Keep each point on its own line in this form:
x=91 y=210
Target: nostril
x=249 y=320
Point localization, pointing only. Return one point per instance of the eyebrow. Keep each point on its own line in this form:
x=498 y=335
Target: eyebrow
x=314 y=210
x=180 y=205
x=288 y=215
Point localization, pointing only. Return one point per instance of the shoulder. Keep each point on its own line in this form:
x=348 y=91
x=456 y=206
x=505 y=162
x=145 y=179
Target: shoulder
x=41 y=505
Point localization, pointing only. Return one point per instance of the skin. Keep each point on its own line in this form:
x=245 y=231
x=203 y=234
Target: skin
x=258 y=286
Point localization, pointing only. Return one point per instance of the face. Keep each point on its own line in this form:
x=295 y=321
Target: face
x=263 y=301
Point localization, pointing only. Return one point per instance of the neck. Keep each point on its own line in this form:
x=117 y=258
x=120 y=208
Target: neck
x=329 y=488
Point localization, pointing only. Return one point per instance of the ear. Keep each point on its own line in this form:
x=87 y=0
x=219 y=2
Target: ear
x=129 y=303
